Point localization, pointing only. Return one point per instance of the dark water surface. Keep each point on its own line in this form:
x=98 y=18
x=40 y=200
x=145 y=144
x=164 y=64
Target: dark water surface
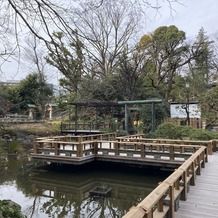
x=64 y=191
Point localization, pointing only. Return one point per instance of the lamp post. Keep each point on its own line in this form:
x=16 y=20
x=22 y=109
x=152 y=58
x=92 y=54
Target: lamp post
x=187 y=104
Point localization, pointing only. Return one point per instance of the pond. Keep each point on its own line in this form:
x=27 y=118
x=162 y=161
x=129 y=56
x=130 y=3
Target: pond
x=63 y=191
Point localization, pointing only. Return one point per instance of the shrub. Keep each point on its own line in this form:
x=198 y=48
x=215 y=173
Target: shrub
x=169 y=131
x=10 y=209
x=172 y=131
x=12 y=146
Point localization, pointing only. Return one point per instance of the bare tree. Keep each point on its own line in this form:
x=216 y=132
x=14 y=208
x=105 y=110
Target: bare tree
x=105 y=30
x=19 y=18
x=34 y=54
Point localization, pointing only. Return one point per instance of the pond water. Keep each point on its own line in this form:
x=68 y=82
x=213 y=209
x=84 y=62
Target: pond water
x=64 y=191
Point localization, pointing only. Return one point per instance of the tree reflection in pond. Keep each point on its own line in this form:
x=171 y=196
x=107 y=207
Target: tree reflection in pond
x=63 y=191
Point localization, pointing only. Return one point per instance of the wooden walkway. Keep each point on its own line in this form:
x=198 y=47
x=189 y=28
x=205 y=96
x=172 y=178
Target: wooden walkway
x=202 y=198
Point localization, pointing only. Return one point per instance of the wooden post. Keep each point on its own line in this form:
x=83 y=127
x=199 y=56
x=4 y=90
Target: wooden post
x=177 y=185
x=172 y=152
x=79 y=148
x=193 y=174
x=56 y=150
x=199 y=165
x=116 y=148
x=209 y=146
x=142 y=151
x=160 y=205
x=206 y=155
x=95 y=149
x=35 y=147
x=203 y=159
x=185 y=186
x=214 y=143
x=171 y=195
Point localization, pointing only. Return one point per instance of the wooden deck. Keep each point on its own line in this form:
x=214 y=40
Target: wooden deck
x=184 y=194
x=202 y=198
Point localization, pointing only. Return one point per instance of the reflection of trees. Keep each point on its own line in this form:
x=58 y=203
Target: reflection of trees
x=71 y=198
x=12 y=167
x=66 y=194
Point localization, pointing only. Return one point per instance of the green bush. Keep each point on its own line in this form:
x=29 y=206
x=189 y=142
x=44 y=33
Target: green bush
x=169 y=131
x=172 y=131
x=13 y=146
x=9 y=209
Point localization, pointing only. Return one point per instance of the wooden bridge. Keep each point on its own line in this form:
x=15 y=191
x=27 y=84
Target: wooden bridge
x=187 y=157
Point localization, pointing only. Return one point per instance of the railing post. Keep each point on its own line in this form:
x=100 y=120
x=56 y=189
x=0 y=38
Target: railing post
x=79 y=148
x=142 y=150
x=206 y=155
x=95 y=149
x=160 y=205
x=214 y=143
x=56 y=149
x=209 y=146
x=193 y=173
x=171 y=152
x=171 y=195
x=199 y=165
x=35 y=147
x=185 y=186
x=116 y=148
x=203 y=159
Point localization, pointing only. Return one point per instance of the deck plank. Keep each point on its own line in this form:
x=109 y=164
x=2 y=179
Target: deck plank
x=203 y=197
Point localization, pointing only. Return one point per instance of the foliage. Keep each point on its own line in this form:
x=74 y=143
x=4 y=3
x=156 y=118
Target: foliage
x=169 y=131
x=172 y=131
x=164 y=52
x=8 y=209
x=14 y=146
x=209 y=102
x=31 y=90
x=146 y=116
x=67 y=57
x=201 y=71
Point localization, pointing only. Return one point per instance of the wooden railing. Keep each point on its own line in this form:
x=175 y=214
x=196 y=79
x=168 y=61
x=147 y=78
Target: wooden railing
x=106 y=145
x=162 y=200
x=165 y=198
x=69 y=145
x=88 y=126
x=211 y=144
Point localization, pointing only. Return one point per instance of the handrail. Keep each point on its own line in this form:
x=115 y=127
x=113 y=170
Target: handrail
x=161 y=200
x=173 y=186
x=211 y=144
x=130 y=149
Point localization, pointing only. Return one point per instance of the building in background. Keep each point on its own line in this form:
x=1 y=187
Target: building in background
x=186 y=114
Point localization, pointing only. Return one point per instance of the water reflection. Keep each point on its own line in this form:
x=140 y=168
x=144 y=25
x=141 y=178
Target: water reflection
x=57 y=191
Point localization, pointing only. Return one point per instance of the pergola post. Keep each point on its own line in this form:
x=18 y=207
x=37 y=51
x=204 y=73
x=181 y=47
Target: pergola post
x=126 y=119
x=153 y=117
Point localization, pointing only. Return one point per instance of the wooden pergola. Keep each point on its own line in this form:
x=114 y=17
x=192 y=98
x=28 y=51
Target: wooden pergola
x=125 y=104
x=127 y=109
x=91 y=104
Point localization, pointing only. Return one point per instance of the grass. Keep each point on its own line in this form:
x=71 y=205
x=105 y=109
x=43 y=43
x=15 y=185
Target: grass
x=38 y=129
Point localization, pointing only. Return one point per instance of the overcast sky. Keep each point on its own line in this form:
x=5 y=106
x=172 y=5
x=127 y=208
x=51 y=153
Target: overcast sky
x=189 y=17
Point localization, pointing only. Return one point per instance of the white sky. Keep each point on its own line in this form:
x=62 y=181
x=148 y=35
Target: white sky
x=189 y=17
